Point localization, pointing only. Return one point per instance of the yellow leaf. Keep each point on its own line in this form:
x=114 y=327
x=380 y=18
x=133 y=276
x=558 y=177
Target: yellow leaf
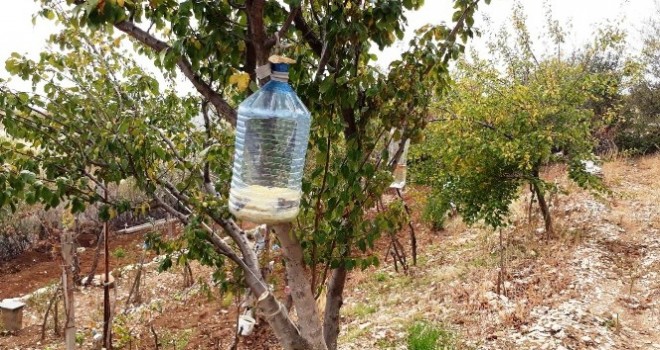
x=241 y=80
x=68 y=220
x=120 y=3
x=196 y=43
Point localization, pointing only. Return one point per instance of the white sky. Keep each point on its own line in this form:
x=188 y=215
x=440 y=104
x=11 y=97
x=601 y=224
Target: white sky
x=17 y=33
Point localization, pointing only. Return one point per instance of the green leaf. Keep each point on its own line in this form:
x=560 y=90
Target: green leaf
x=49 y=14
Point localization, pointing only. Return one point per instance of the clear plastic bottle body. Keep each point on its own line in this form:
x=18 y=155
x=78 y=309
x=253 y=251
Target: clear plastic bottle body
x=400 y=170
x=272 y=132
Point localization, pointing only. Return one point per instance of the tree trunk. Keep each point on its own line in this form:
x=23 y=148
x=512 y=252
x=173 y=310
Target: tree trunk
x=540 y=195
x=276 y=315
x=134 y=296
x=68 y=285
x=301 y=290
x=257 y=51
x=95 y=262
x=413 y=236
x=333 y=302
x=107 y=327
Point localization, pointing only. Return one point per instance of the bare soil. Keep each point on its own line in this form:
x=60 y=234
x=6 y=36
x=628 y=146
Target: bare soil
x=595 y=285
x=37 y=267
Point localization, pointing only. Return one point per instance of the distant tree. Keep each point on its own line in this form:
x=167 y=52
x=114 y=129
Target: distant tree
x=638 y=129
x=505 y=119
x=651 y=50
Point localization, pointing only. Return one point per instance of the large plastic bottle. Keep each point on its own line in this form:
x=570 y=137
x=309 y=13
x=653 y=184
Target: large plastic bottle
x=272 y=132
x=400 y=170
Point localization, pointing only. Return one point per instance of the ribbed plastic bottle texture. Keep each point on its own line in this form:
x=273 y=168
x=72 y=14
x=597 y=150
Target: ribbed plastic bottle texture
x=401 y=167
x=272 y=132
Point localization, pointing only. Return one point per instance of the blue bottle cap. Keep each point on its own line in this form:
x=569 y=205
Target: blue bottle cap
x=280 y=67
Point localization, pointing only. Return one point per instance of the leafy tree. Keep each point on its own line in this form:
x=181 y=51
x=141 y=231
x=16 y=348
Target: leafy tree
x=101 y=120
x=651 y=50
x=638 y=130
x=503 y=120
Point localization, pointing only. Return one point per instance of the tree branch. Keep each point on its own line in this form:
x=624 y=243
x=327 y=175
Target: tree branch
x=202 y=87
x=308 y=34
x=270 y=42
x=277 y=317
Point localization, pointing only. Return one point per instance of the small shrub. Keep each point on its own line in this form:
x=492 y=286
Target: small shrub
x=19 y=230
x=122 y=333
x=119 y=253
x=435 y=212
x=381 y=277
x=425 y=336
x=80 y=339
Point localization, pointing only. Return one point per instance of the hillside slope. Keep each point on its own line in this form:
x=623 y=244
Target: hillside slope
x=596 y=286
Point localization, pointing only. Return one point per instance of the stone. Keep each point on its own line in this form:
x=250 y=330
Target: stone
x=555 y=328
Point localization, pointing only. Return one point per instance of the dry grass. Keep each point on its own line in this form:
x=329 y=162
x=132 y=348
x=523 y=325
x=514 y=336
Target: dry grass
x=458 y=275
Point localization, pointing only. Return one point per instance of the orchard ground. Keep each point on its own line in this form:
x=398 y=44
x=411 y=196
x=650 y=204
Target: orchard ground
x=594 y=286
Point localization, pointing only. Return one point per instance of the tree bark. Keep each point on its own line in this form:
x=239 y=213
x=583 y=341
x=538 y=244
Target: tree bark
x=301 y=290
x=333 y=303
x=53 y=301
x=276 y=315
x=107 y=327
x=68 y=285
x=95 y=262
x=308 y=34
x=545 y=210
x=258 y=50
x=413 y=236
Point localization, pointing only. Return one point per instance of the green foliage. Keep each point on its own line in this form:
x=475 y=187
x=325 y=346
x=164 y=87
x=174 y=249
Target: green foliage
x=101 y=119
x=360 y=310
x=177 y=340
x=435 y=211
x=121 y=124
x=381 y=277
x=80 y=338
x=122 y=333
x=426 y=336
x=497 y=128
x=119 y=253
x=639 y=129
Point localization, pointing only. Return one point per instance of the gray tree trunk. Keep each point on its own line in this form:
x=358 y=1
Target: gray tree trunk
x=68 y=250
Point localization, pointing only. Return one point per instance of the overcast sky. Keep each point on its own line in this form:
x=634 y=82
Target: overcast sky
x=18 y=34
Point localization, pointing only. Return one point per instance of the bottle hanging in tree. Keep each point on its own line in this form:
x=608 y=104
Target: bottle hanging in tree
x=400 y=169
x=272 y=132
